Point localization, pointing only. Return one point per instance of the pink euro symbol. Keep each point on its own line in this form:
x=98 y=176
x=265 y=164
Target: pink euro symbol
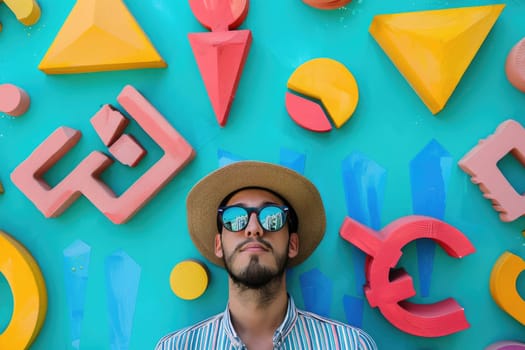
x=85 y=180
x=388 y=289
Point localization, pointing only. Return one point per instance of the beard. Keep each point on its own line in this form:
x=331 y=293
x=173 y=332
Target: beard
x=256 y=276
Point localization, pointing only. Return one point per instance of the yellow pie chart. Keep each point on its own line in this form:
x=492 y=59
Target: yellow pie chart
x=327 y=81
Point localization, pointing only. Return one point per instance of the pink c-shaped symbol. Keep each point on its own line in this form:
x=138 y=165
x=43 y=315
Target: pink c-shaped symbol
x=388 y=291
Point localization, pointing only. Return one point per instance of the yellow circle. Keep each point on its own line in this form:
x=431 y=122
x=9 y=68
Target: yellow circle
x=189 y=279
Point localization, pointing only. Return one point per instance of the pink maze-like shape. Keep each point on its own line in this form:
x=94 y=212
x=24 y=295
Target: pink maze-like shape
x=84 y=178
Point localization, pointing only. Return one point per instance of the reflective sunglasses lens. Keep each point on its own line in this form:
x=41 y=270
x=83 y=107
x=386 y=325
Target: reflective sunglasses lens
x=272 y=218
x=235 y=218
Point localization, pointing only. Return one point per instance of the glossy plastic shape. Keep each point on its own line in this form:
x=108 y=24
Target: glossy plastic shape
x=515 y=66
x=330 y=82
x=109 y=124
x=14 y=101
x=481 y=163
x=503 y=285
x=29 y=294
x=389 y=290
x=220 y=15
x=100 y=35
x=85 y=177
x=433 y=49
x=27 y=12
x=189 y=279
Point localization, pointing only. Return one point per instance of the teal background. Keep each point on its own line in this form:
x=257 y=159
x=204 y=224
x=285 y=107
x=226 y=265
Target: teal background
x=390 y=126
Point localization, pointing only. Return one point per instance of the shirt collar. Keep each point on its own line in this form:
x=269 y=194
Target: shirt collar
x=289 y=320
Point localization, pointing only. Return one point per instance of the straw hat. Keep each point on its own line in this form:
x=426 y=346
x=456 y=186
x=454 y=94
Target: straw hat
x=204 y=199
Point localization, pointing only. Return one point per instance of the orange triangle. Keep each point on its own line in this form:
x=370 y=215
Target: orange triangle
x=433 y=49
x=100 y=35
x=220 y=57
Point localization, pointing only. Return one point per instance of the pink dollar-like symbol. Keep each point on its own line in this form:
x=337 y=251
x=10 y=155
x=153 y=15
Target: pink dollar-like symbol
x=389 y=291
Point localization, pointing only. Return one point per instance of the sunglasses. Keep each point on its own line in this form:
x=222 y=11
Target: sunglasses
x=271 y=217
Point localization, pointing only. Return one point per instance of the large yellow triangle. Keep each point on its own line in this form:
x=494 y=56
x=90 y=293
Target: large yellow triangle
x=432 y=49
x=100 y=35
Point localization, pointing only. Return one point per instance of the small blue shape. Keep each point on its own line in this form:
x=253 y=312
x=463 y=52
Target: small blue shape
x=293 y=160
x=122 y=284
x=317 y=292
x=353 y=310
x=364 y=186
x=76 y=272
x=226 y=158
x=429 y=175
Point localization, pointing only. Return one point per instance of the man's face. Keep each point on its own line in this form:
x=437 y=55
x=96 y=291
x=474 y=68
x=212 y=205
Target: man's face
x=254 y=257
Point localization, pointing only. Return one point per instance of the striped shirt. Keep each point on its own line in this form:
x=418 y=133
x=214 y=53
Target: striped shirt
x=300 y=330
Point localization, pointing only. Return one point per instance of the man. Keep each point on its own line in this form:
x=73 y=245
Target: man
x=256 y=219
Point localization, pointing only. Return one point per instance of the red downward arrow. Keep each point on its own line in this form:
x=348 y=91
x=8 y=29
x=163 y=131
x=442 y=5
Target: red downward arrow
x=220 y=57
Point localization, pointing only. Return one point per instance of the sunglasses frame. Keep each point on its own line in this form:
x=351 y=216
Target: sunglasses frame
x=257 y=210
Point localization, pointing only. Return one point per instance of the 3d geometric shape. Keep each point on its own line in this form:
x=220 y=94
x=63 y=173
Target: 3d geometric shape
x=85 y=177
x=109 y=124
x=122 y=284
x=515 y=66
x=221 y=55
x=326 y=4
x=506 y=345
x=220 y=16
x=388 y=289
x=429 y=174
x=29 y=294
x=328 y=81
x=27 y=12
x=503 y=282
x=76 y=272
x=13 y=100
x=306 y=113
x=189 y=279
x=100 y=35
x=127 y=150
x=481 y=163
x=433 y=49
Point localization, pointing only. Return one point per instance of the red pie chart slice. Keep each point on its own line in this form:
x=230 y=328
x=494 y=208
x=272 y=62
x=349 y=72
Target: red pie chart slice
x=307 y=114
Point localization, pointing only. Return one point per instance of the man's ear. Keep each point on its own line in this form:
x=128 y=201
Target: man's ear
x=293 y=245
x=218 y=246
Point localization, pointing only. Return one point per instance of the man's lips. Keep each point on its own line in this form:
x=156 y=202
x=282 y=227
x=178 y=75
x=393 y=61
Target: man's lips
x=253 y=247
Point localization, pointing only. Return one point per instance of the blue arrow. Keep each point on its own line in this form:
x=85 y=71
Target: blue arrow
x=429 y=175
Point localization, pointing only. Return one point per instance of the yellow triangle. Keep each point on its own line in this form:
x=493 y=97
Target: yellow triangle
x=433 y=49
x=100 y=35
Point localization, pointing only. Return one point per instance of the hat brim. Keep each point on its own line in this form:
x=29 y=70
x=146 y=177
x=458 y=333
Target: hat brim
x=205 y=197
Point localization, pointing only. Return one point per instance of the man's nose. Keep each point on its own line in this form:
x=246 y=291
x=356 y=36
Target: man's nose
x=253 y=228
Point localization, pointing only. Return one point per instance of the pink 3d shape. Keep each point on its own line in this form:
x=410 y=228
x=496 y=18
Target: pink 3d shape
x=127 y=150
x=312 y=117
x=85 y=177
x=388 y=291
x=326 y=4
x=222 y=53
x=503 y=285
x=13 y=100
x=506 y=345
x=515 y=66
x=481 y=163
x=109 y=124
